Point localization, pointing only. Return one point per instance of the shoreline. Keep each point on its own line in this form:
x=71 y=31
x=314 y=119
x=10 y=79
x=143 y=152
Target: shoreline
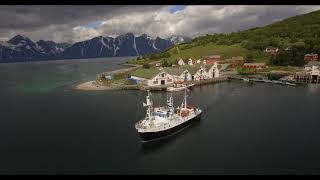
x=92 y=86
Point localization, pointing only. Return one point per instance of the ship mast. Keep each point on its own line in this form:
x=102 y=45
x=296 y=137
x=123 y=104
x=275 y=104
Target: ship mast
x=149 y=105
x=185 y=97
x=169 y=101
x=170 y=104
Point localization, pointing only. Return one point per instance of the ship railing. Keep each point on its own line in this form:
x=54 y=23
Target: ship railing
x=140 y=125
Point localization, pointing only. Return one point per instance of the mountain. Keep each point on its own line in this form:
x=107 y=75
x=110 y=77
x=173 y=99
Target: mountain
x=21 y=48
x=51 y=48
x=123 y=45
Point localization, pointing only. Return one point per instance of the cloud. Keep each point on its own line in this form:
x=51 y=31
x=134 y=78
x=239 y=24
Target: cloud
x=77 y=23
x=57 y=22
x=197 y=20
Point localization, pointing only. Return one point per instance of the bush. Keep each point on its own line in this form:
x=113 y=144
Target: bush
x=249 y=58
x=146 y=65
x=242 y=70
x=166 y=63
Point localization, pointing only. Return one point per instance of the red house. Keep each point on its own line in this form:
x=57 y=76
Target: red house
x=211 y=59
x=310 y=57
x=255 y=65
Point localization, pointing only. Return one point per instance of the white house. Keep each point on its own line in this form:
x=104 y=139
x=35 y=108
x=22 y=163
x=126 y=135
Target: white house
x=197 y=72
x=201 y=74
x=170 y=75
x=308 y=67
x=198 y=61
x=313 y=68
x=181 y=62
x=213 y=71
x=311 y=73
x=152 y=77
x=179 y=74
x=271 y=50
x=315 y=71
x=190 y=62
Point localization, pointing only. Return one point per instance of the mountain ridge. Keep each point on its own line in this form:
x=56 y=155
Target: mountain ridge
x=21 y=48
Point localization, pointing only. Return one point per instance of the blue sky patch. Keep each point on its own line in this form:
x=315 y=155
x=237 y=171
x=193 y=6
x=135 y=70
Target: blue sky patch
x=177 y=8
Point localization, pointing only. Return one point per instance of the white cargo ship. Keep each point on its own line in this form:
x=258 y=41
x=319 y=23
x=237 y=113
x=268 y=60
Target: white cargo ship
x=163 y=121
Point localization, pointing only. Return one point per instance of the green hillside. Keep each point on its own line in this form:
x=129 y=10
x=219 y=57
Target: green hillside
x=294 y=37
x=208 y=49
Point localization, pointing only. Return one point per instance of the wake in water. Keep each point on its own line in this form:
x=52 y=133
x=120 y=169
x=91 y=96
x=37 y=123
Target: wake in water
x=219 y=100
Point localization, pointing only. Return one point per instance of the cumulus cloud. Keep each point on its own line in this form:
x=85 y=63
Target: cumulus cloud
x=69 y=23
x=197 y=20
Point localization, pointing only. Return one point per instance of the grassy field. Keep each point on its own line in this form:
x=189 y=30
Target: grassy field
x=284 y=68
x=186 y=51
x=210 y=49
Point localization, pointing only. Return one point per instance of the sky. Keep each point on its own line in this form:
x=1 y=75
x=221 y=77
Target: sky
x=74 y=23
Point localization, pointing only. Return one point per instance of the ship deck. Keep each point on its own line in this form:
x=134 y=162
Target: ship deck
x=161 y=123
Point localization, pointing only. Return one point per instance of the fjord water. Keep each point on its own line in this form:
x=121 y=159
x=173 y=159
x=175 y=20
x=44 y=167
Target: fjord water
x=246 y=128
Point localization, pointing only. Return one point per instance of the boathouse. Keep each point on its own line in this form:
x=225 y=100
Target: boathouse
x=198 y=72
x=179 y=74
x=152 y=77
x=213 y=71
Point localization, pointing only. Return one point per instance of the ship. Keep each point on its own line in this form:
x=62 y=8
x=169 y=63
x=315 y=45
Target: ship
x=160 y=122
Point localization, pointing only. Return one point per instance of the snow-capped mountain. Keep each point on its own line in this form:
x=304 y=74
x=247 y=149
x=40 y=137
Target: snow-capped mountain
x=123 y=45
x=52 y=48
x=21 y=48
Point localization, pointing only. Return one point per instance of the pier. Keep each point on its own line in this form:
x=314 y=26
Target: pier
x=196 y=83
x=261 y=80
x=307 y=78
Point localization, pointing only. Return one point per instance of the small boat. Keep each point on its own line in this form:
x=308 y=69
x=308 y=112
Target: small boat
x=246 y=79
x=291 y=84
x=178 y=87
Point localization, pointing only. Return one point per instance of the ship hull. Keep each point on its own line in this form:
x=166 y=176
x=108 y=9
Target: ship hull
x=148 y=136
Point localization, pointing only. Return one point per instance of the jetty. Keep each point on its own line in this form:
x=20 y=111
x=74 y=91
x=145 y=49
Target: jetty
x=196 y=83
x=261 y=80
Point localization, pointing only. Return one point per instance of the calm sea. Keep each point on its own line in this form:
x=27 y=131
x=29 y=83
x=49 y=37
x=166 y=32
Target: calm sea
x=247 y=128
